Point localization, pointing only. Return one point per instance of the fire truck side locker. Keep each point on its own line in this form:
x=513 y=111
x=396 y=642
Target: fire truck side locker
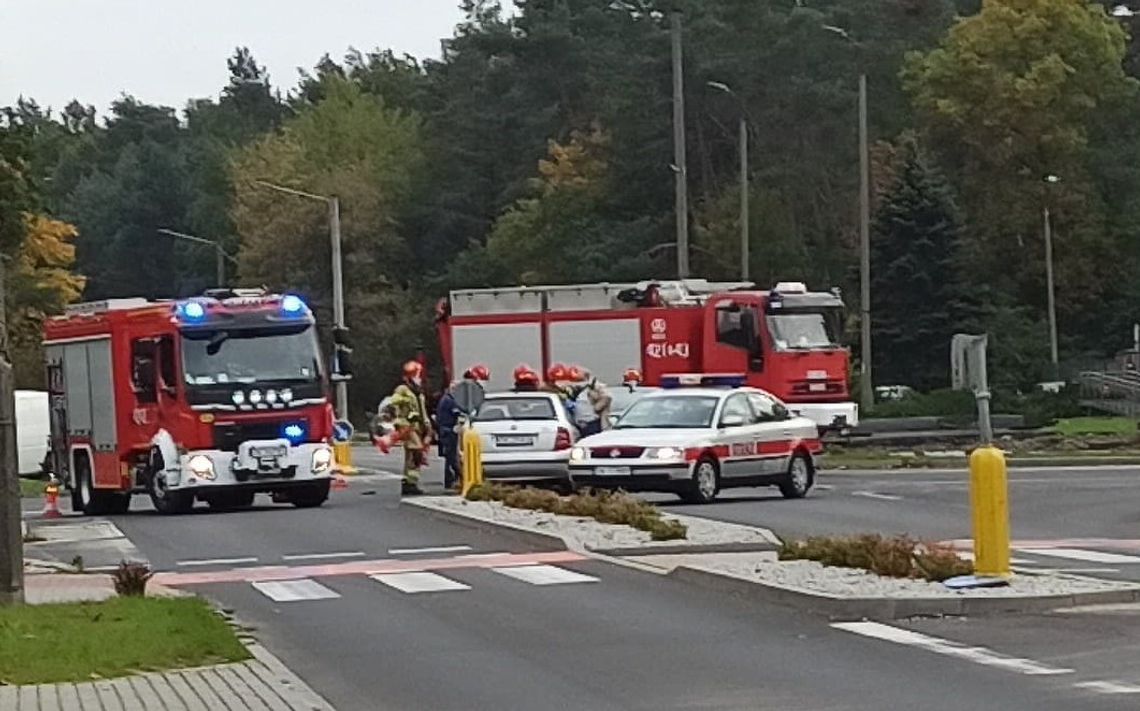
x=90 y=467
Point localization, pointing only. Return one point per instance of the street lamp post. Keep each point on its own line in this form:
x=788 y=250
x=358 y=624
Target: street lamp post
x=745 y=255
x=1051 y=296
x=219 y=251
x=681 y=178
x=866 y=385
x=333 y=204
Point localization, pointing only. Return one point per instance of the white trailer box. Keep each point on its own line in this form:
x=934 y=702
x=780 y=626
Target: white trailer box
x=33 y=428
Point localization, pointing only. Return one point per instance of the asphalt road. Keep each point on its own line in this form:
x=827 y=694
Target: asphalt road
x=382 y=607
x=613 y=639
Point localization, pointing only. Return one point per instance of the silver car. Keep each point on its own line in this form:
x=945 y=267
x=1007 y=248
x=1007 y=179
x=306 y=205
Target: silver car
x=526 y=438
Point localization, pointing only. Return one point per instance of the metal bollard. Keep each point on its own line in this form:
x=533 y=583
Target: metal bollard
x=472 y=464
x=342 y=455
x=989 y=501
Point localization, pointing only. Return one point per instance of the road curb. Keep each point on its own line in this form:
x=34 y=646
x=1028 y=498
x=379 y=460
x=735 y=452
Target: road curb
x=876 y=608
x=531 y=536
x=517 y=533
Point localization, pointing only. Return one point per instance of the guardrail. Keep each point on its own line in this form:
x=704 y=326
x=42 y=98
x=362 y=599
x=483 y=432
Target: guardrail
x=1117 y=393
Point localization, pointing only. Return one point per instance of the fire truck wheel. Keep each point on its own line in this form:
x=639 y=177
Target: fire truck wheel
x=703 y=487
x=310 y=496
x=91 y=501
x=164 y=500
x=798 y=480
x=231 y=500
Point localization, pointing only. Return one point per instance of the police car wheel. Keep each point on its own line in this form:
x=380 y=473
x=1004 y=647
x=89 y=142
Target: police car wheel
x=705 y=483
x=797 y=482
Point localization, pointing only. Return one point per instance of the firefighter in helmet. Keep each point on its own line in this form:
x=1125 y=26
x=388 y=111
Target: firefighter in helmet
x=411 y=411
x=526 y=380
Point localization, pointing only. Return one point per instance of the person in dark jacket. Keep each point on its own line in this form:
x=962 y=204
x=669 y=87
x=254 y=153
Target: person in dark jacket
x=447 y=420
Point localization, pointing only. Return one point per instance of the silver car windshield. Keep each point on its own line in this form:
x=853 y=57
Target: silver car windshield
x=679 y=412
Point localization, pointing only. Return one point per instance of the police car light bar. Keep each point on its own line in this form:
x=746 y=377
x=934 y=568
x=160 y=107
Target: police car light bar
x=703 y=380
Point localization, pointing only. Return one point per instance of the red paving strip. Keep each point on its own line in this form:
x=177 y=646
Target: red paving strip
x=363 y=567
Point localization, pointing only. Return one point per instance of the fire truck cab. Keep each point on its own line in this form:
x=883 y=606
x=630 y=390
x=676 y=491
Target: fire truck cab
x=214 y=398
x=785 y=339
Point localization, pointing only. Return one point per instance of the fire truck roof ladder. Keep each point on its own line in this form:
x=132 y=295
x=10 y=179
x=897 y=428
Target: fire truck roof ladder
x=602 y=296
x=99 y=307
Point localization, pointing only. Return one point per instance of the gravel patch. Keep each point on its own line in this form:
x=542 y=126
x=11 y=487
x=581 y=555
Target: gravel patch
x=588 y=534
x=850 y=583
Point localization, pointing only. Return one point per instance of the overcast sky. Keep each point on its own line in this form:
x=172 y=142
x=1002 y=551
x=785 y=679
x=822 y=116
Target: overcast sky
x=166 y=51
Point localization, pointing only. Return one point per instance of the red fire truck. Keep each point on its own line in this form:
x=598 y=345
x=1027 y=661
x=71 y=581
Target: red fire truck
x=214 y=398
x=785 y=339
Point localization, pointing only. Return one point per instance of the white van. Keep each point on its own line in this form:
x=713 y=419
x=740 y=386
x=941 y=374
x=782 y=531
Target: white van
x=33 y=428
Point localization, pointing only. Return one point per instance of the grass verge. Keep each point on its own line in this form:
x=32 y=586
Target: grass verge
x=46 y=644
x=892 y=557
x=31 y=488
x=1077 y=426
x=604 y=506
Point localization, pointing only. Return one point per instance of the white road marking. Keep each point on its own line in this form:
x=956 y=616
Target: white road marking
x=477 y=556
x=1108 y=687
x=294 y=590
x=419 y=582
x=1076 y=571
x=977 y=655
x=969 y=555
x=437 y=549
x=1081 y=554
x=873 y=495
x=216 y=561
x=544 y=575
x=323 y=556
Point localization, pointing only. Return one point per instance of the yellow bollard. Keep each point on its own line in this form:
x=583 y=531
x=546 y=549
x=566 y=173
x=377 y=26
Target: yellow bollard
x=472 y=463
x=342 y=455
x=989 y=499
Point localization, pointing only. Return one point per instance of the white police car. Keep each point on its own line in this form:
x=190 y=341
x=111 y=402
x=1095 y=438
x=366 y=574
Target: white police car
x=700 y=434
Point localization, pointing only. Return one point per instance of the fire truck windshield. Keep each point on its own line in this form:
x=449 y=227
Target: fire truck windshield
x=801 y=331
x=216 y=357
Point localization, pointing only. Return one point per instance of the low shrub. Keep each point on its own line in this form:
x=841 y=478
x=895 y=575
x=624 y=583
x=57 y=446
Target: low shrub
x=606 y=507
x=893 y=557
x=130 y=579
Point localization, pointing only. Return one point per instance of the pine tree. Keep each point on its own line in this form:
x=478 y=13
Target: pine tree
x=917 y=294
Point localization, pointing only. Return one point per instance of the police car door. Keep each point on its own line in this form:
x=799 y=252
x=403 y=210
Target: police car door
x=772 y=434
x=737 y=433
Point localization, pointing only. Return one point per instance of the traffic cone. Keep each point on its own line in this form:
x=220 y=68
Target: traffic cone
x=340 y=483
x=51 y=499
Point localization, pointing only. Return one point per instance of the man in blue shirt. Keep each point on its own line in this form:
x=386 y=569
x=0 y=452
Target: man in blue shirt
x=447 y=420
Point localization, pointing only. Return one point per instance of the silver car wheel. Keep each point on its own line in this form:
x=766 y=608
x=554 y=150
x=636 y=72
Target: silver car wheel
x=706 y=480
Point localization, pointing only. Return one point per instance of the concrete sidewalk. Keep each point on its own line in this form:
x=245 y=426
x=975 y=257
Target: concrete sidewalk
x=261 y=684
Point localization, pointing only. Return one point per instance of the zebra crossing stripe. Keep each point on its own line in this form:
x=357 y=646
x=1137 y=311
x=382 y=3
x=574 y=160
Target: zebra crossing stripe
x=1085 y=555
x=294 y=590
x=544 y=575
x=419 y=582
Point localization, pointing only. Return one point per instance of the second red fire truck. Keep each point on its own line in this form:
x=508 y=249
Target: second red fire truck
x=215 y=398
x=785 y=340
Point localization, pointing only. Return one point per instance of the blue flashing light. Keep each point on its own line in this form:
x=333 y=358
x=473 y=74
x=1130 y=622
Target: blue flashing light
x=703 y=380
x=292 y=305
x=191 y=311
x=294 y=432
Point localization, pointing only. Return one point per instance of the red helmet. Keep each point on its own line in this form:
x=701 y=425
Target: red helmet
x=557 y=373
x=413 y=369
x=478 y=372
x=525 y=374
x=575 y=374
x=631 y=376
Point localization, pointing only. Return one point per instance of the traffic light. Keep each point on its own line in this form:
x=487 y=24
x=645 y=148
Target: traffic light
x=342 y=355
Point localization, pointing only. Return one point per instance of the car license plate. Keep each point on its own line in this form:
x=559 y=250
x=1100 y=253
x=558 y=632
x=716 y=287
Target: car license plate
x=514 y=441
x=818 y=387
x=613 y=471
x=262 y=453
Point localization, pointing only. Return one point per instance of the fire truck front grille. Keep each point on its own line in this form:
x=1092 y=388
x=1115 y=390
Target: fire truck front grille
x=229 y=436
